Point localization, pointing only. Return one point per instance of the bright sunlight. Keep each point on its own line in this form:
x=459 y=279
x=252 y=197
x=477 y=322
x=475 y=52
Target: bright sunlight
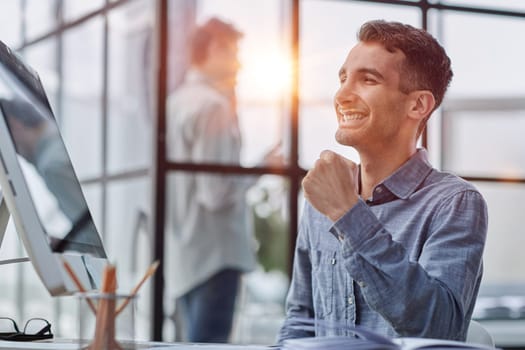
x=267 y=76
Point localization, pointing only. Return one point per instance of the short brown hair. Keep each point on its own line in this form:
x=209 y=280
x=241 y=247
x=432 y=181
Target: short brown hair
x=212 y=30
x=426 y=67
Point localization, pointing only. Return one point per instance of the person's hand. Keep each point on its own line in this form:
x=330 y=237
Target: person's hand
x=331 y=185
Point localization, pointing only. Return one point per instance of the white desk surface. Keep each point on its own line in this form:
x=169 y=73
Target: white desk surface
x=140 y=345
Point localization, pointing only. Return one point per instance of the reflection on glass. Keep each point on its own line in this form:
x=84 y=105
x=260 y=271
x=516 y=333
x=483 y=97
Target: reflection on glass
x=81 y=106
x=322 y=52
x=54 y=186
x=130 y=86
x=41 y=17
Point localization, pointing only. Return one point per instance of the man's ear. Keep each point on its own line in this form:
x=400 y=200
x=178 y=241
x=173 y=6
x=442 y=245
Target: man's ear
x=421 y=105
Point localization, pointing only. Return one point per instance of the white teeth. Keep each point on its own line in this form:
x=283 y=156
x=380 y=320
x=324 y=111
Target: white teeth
x=355 y=116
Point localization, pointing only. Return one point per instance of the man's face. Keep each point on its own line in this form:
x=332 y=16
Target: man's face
x=370 y=107
x=224 y=62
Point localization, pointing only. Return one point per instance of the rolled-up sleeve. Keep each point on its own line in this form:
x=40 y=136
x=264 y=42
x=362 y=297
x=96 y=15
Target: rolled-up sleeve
x=430 y=296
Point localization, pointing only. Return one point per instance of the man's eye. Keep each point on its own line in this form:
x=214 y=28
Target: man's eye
x=342 y=79
x=370 y=80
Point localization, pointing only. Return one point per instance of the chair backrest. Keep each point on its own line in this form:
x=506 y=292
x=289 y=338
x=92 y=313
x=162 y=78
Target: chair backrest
x=477 y=334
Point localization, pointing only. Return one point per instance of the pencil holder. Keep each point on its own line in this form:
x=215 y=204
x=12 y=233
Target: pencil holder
x=106 y=321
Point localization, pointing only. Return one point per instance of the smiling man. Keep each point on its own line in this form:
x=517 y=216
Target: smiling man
x=392 y=244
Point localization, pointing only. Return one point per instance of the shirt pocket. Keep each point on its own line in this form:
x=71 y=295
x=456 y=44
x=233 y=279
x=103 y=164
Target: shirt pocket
x=323 y=282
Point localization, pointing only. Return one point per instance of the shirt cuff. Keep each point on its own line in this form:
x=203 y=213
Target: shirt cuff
x=356 y=226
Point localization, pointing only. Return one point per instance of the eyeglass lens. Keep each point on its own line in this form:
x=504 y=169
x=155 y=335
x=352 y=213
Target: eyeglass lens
x=36 y=326
x=8 y=325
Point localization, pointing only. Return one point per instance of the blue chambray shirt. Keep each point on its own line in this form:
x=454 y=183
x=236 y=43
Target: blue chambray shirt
x=407 y=262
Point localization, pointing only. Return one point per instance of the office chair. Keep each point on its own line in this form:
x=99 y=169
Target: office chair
x=477 y=334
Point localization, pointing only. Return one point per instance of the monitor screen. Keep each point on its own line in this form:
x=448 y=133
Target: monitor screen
x=39 y=183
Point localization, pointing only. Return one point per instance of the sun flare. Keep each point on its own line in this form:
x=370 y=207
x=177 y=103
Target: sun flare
x=269 y=75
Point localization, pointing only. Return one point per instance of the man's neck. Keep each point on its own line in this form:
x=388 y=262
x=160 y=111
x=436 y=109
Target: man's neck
x=217 y=81
x=377 y=166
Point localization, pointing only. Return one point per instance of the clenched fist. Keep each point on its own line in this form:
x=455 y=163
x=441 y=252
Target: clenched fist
x=331 y=185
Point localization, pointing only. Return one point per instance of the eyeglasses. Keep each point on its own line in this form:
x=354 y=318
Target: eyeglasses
x=34 y=329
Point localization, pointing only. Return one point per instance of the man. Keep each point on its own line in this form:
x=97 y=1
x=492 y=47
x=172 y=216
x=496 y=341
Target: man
x=392 y=245
x=211 y=244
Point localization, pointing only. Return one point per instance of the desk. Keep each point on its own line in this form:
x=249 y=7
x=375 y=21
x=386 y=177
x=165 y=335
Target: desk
x=64 y=344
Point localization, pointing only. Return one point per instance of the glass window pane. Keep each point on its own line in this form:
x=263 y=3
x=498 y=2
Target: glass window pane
x=262 y=214
x=11 y=248
x=129 y=242
x=323 y=50
x=41 y=17
x=261 y=311
x=130 y=86
x=42 y=57
x=77 y=8
x=10 y=23
x=22 y=294
x=518 y=5
x=484 y=143
x=263 y=82
x=81 y=108
x=503 y=259
x=492 y=56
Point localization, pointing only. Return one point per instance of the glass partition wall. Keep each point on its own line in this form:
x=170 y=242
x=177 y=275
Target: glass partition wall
x=109 y=66
x=95 y=61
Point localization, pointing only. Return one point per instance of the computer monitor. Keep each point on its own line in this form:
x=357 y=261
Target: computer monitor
x=39 y=184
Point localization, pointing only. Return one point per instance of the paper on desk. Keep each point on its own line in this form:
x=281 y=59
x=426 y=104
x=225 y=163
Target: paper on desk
x=427 y=343
x=210 y=347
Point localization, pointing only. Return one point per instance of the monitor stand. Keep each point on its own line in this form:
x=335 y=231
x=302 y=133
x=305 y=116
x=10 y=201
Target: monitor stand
x=4 y=219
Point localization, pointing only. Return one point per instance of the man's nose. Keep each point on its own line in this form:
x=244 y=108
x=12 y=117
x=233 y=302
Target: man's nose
x=345 y=94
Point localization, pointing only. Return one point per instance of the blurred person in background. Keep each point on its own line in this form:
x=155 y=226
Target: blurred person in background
x=211 y=241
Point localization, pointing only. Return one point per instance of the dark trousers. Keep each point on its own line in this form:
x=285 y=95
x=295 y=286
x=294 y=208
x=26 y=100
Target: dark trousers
x=207 y=310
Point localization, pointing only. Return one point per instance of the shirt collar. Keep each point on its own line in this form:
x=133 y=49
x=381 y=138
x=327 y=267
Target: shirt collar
x=405 y=180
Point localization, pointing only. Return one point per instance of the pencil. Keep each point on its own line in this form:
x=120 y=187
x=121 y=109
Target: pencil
x=79 y=285
x=149 y=272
